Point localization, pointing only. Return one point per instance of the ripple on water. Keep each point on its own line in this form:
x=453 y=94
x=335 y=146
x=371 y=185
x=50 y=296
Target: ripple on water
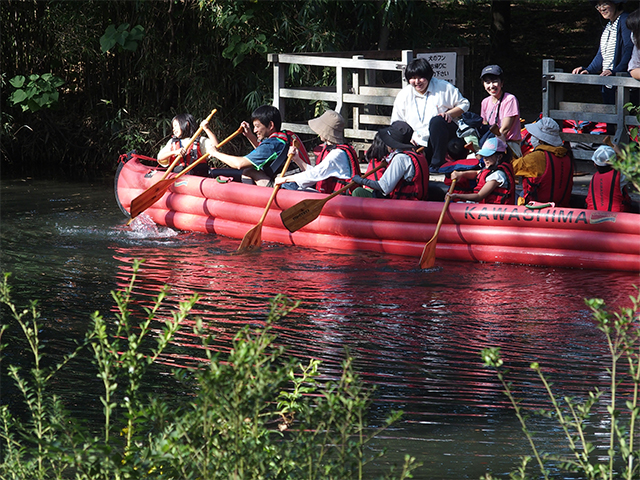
x=415 y=335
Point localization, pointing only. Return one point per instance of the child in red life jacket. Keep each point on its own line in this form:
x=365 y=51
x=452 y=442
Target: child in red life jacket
x=407 y=175
x=336 y=162
x=608 y=188
x=184 y=126
x=495 y=181
x=375 y=154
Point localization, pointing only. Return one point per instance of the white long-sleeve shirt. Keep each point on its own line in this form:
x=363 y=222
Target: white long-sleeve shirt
x=335 y=164
x=418 y=110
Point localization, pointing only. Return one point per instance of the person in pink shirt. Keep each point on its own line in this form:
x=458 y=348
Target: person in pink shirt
x=501 y=108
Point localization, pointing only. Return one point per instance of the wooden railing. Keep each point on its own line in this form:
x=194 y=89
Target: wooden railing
x=365 y=105
x=554 y=85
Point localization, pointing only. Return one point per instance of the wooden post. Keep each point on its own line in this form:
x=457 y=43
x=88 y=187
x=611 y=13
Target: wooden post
x=278 y=83
x=548 y=100
x=355 y=79
x=621 y=132
x=340 y=87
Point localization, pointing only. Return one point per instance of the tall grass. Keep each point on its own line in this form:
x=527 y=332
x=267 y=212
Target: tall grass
x=622 y=445
x=254 y=413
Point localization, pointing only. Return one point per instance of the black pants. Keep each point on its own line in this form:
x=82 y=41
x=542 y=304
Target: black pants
x=440 y=132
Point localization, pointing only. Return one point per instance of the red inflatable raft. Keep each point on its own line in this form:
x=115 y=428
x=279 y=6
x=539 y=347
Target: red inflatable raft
x=555 y=237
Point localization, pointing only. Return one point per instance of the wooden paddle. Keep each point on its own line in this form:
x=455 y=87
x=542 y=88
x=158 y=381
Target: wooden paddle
x=152 y=194
x=428 y=258
x=186 y=149
x=306 y=211
x=253 y=238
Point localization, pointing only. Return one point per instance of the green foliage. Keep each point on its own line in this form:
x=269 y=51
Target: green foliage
x=122 y=36
x=240 y=42
x=191 y=56
x=41 y=91
x=628 y=162
x=622 y=334
x=251 y=414
x=128 y=131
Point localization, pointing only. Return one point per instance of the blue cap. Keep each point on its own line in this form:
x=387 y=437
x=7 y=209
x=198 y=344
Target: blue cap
x=491 y=146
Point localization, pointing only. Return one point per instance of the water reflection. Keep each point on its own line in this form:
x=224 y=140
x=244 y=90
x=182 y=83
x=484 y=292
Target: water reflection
x=415 y=335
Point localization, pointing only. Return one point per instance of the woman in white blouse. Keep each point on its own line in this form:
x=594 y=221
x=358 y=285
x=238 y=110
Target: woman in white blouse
x=430 y=106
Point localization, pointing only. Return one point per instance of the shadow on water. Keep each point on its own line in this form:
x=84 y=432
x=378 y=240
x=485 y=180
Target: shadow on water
x=415 y=335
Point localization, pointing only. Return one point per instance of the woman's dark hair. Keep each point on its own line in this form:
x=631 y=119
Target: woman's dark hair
x=378 y=149
x=418 y=68
x=266 y=114
x=633 y=24
x=187 y=124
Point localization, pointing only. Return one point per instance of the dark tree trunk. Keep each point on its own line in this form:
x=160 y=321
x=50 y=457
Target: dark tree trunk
x=500 y=28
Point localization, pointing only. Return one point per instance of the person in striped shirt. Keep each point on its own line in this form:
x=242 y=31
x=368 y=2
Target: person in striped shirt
x=615 y=46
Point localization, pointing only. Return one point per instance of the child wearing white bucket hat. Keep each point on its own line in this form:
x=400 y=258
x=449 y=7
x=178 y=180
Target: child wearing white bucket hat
x=608 y=188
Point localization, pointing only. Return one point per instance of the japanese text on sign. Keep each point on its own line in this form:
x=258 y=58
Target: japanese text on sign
x=443 y=64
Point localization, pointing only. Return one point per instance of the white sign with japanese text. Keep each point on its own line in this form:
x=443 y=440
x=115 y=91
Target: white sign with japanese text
x=443 y=64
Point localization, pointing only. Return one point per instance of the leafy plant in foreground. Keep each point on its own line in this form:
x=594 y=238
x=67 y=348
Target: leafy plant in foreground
x=622 y=334
x=628 y=162
x=250 y=414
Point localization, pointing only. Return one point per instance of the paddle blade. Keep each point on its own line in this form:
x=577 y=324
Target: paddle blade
x=302 y=213
x=428 y=258
x=150 y=196
x=251 y=240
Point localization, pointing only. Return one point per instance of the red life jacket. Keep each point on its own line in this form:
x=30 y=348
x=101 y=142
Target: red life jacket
x=331 y=184
x=463 y=185
x=554 y=185
x=418 y=187
x=192 y=155
x=506 y=194
x=377 y=175
x=584 y=126
x=201 y=170
x=271 y=169
x=605 y=193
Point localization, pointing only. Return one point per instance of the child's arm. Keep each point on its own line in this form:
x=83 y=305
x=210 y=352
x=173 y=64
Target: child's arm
x=476 y=197
x=166 y=154
x=470 y=174
x=209 y=132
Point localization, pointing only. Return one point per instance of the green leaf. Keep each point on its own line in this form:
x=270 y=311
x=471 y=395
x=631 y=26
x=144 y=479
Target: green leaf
x=106 y=43
x=18 y=96
x=17 y=81
x=137 y=33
